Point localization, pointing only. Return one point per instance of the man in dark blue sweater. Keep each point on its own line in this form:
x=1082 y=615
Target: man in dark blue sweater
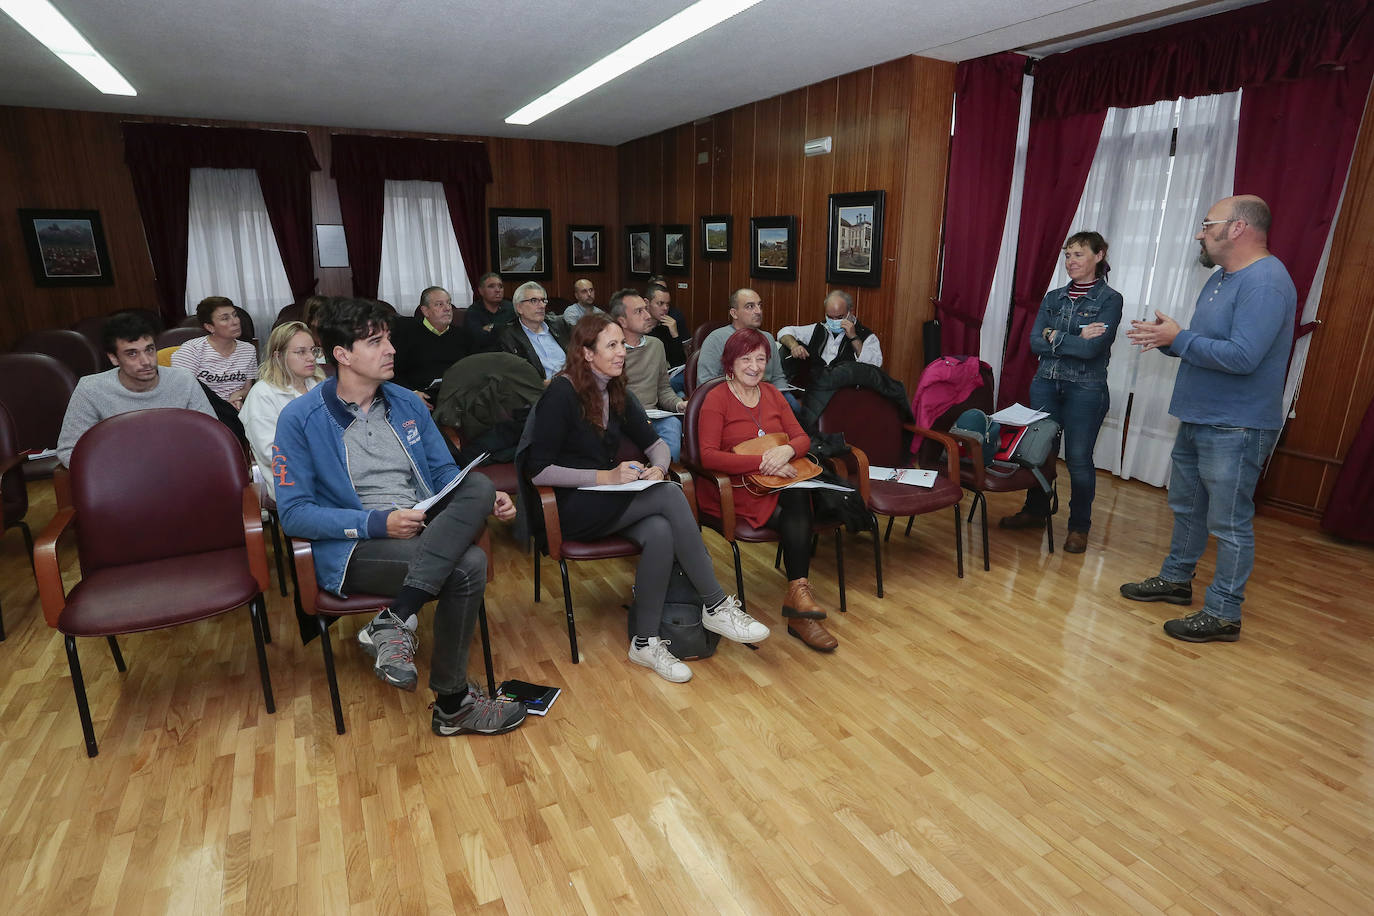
x=1228 y=398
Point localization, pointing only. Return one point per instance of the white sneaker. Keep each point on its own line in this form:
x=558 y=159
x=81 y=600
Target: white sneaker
x=730 y=621
x=656 y=656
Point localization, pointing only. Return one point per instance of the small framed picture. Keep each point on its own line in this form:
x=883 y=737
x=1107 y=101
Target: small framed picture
x=715 y=237
x=854 y=252
x=520 y=242
x=639 y=242
x=584 y=248
x=66 y=247
x=676 y=245
x=773 y=247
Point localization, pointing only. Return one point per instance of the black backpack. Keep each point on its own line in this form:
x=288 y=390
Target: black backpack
x=681 y=625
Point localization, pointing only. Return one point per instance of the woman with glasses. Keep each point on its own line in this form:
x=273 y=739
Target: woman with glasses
x=1073 y=336
x=290 y=370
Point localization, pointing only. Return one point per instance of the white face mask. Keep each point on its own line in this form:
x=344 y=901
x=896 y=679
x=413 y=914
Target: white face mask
x=834 y=325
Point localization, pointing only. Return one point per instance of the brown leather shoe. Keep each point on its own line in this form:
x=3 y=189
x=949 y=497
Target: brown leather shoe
x=1022 y=519
x=813 y=633
x=801 y=602
x=1076 y=542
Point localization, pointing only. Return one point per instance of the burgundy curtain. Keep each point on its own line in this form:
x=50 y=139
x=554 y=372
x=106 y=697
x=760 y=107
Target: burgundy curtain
x=160 y=158
x=988 y=93
x=1060 y=153
x=1265 y=43
x=1350 y=510
x=362 y=165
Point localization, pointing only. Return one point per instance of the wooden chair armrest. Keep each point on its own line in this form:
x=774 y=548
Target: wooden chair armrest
x=683 y=476
x=727 y=504
x=307 y=588
x=45 y=566
x=553 y=534
x=10 y=463
x=253 y=539
x=62 y=487
x=455 y=441
x=951 y=451
x=856 y=461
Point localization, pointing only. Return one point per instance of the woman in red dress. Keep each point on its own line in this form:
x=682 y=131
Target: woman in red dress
x=743 y=408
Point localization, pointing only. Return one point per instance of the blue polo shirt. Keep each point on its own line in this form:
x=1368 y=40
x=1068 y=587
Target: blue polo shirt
x=551 y=355
x=1234 y=352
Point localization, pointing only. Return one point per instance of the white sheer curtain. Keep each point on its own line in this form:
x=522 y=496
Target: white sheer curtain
x=1123 y=200
x=231 y=250
x=992 y=338
x=419 y=247
x=1203 y=172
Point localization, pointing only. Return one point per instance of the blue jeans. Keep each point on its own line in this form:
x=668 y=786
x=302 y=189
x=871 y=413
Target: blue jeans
x=679 y=383
x=1211 y=490
x=1079 y=410
x=669 y=429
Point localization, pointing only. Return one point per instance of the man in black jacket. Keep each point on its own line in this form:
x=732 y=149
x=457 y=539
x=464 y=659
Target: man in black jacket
x=540 y=339
x=428 y=344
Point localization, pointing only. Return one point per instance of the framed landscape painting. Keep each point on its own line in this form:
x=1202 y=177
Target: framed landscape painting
x=584 y=248
x=639 y=242
x=520 y=244
x=675 y=252
x=715 y=237
x=773 y=247
x=66 y=247
x=854 y=252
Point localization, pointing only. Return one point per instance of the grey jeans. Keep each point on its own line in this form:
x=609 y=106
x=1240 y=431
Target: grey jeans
x=443 y=561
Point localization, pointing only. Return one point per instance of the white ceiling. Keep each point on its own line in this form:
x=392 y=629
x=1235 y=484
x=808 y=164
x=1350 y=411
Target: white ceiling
x=461 y=66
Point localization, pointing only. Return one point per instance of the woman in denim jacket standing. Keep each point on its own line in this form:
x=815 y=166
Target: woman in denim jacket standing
x=1073 y=336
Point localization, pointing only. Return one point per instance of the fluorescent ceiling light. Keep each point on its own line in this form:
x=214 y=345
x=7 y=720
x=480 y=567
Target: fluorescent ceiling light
x=42 y=20
x=672 y=32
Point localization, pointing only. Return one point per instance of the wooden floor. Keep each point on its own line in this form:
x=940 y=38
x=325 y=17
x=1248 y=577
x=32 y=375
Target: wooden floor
x=1018 y=741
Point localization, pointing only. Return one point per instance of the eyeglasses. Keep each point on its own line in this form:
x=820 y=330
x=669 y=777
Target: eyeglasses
x=1217 y=222
x=302 y=352
x=537 y=300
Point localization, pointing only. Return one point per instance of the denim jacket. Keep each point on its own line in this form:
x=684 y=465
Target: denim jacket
x=1070 y=357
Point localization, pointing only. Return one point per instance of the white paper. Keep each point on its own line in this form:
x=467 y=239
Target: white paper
x=424 y=504
x=633 y=486
x=333 y=248
x=913 y=477
x=1018 y=415
x=676 y=370
x=45 y=453
x=818 y=485
x=653 y=413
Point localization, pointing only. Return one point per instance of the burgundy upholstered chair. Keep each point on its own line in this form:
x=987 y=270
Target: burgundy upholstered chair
x=71 y=348
x=14 y=493
x=703 y=331
x=168 y=532
x=317 y=608
x=873 y=428
x=293 y=312
x=727 y=525
x=689 y=372
x=36 y=388
x=175 y=337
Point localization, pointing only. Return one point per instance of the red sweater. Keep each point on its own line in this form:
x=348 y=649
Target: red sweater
x=724 y=423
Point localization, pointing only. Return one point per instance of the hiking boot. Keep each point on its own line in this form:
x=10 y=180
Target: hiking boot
x=392 y=643
x=1203 y=627
x=1157 y=589
x=1076 y=542
x=1023 y=519
x=656 y=656
x=729 y=620
x=480 y=716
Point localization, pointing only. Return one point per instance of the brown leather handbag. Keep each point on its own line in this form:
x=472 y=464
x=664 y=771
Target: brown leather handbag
x=805 y=467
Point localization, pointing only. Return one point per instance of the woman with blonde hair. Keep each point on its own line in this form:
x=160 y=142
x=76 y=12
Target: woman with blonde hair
x=289 y=371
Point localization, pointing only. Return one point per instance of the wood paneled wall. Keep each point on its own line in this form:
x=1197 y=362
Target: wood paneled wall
x=75 y=159
x=890 y=125
x=1338 y=382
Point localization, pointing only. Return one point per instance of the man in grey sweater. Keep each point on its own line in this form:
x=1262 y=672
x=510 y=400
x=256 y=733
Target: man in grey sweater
x=135 y=383
x=646 y=368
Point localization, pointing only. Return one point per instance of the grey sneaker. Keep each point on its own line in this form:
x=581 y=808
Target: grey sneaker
x=1157 y=589
x=392 y=643
x=665 y=664
x=729 y=620
x=1203 y=627
x=481 y=716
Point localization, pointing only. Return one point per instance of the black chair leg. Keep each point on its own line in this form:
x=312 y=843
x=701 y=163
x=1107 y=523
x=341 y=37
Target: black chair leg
x=534 y=552
x=839 y=566
x=486 y=649
x=877 y=555
x=890 y=520
x=1049 y=530
x=959 y=541
x=329 y=673
x=739 y=574
x=257 y=610
x=291 y=568
x=911 y=520
x=28 y=540
x=79 y=687
x=983 y=507
x=116 y=654
x=777 y=560
x=567 y=604
x=2 y=627
x=275 y=531
x=266 y=627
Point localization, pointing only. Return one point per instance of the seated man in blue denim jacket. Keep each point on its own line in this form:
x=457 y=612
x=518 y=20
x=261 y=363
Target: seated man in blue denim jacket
x=1228 y=397
x=351 y=457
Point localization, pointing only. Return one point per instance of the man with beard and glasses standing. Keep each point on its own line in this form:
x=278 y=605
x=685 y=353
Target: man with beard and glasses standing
x=1228 y=398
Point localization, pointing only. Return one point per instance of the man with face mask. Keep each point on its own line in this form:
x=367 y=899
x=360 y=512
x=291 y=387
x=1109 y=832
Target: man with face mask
x=839 y=338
